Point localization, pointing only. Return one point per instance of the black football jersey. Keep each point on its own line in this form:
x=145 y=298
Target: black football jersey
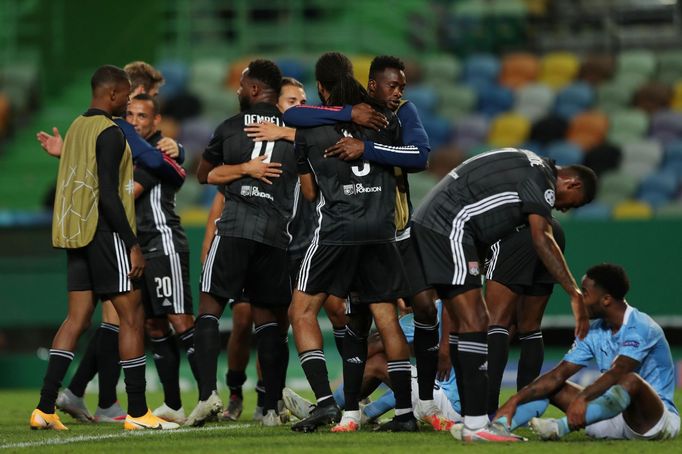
x=490 y=194
x=255 y=210
x=356 y=203
x=159 y=231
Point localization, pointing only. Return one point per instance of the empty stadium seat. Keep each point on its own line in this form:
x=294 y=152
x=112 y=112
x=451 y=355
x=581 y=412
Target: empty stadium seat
x=559 y=69
x=455 y=101
x=235 y=71
x=666 y=126
x=632 y=209
x=616 y=94
x=494 y=100
x=597 y=69
x=644 y=151
x=471 y=131
x=653 y=97
x=509 y=130
x=588 y=129
x=361 y=64
x=519 y=69
x=298 y=68
x=676 y=102
x=672 y=210
x=424 y=97
x=614 y=187
x=176 y=74
x=565 y=153
x=534 y=100
x=641 y=63
x=573 y=99
x=673 y=150
x=443 y=69
x=438 y=129
x=481 y=70
x=627 y=125
x=669 y=66
x=593 y=211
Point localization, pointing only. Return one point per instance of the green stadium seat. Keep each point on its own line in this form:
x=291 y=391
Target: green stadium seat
x=640 y=62
x=673 y=210
x=627 y=125
x=455 y=101
x=669 y=66
x=616 y=94
x=534 y=100
x=441 y=70
x=614 y=187
x=649 y=152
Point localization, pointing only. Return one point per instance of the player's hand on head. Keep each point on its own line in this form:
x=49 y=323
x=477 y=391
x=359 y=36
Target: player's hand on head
x=52 y=144
x=137 y=262
x=260 y=170
x=346 y=149
x=364 y=115
x=169 y=146
x=265 y=131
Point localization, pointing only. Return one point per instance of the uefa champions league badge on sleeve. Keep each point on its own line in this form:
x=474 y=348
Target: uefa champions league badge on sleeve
x=550 y=197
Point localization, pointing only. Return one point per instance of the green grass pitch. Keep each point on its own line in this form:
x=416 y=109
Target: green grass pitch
x=246 y=436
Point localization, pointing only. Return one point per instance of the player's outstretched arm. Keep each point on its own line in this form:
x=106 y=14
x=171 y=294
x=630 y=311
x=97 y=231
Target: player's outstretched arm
x=52 y=144
x=543 y=387
x=553 y=259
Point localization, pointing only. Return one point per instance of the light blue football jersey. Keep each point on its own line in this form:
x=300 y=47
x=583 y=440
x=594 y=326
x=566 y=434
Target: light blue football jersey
x=641 y=339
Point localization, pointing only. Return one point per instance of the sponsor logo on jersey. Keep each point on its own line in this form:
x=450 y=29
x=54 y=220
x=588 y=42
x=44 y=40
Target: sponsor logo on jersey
x=253 y=191
x=631 y=343
x=359 y=188
x=550 y=197
x=473 y=269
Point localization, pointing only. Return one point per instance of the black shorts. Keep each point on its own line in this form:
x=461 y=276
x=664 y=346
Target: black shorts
x=102 y=266
x=167 y=290
x=294 y=267
x=451 y=266
x=513 y=262
x=416 y=281
x=235 y=266
x=368 y=273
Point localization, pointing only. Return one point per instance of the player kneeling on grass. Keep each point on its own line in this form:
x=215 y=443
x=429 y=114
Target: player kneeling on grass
x=633 y=398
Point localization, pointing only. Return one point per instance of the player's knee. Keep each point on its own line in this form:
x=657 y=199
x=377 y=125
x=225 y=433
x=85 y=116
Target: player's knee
x=424 y=310
x=631 y=381
x=181 y=322
x=155 y=327
x=77 y=324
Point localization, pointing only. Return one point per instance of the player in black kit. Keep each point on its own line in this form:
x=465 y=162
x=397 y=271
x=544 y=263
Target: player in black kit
x=476 y=204
x=517 y=289
x=352 y=253
x=249 y=251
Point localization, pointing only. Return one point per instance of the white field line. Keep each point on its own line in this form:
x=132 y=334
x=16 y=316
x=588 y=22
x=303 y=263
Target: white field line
x=121 y=435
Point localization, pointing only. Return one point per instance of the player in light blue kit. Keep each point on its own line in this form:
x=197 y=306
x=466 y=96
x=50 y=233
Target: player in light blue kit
x=632 y=399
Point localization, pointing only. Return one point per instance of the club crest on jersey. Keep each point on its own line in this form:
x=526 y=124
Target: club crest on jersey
x=550 y=197
x=348 y=189
x=246 y=191
x=473 y=269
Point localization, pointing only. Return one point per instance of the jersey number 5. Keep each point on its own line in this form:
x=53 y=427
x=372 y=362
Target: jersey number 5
x=357 y=170
x=258 y=146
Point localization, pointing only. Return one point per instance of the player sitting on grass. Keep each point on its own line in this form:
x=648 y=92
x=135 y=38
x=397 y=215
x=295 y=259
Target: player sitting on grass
x=633 y=398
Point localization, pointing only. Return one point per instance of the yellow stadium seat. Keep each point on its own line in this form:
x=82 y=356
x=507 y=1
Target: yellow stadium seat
x=558 y=69
x=361 y=64
x=509 y=130
x=633 y=209
x=677 y=97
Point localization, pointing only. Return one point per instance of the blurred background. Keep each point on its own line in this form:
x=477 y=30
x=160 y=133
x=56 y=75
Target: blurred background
x=597 y=82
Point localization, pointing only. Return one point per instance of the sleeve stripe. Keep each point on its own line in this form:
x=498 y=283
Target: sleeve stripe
x=308 y=106
x=406 y=150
